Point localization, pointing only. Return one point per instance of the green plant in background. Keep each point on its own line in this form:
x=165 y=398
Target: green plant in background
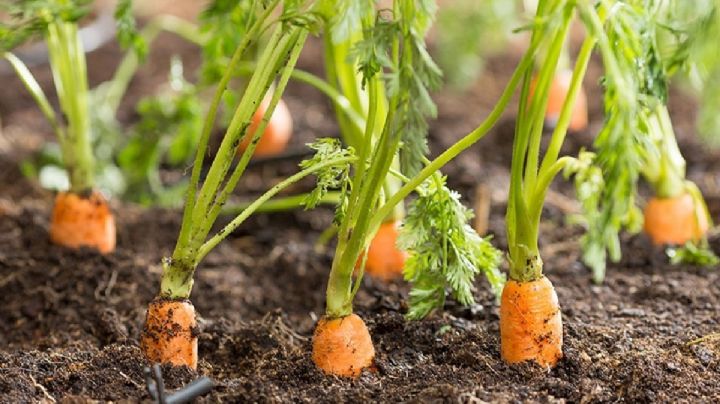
x=640 y=53
x=468 y=31
x=55 y=21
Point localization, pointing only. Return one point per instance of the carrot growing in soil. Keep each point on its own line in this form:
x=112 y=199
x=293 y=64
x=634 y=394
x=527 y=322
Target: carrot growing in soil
x=81 y=216
x=384 y=260
x=530 y=318
x=445 y=253
x=637 y=140
x=169 y=334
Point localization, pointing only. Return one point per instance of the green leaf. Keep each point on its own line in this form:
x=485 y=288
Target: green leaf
x=24 y=19
x=699 y=254
x=127 y=32
x=331 y=177
x=445 y=251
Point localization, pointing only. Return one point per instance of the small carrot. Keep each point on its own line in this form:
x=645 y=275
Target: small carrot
x=83 y=221
x=530 y=323
x=675 y=220
x=384 y=260
x=556 y=98
x=276 y=134
x=342 y=346
x=169 y=335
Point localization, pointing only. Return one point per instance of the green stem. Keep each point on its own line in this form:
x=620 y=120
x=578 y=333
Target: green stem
x=538 y=105
x=68 y=65
x=338 y=100
x=37 y=93
x=461 y=145
x=669 y=179
x=283 y=204
x=294 y=45
x=186 y=227
x=253 y=207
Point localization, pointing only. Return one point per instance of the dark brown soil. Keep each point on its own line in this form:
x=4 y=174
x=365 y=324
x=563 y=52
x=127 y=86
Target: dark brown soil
x=70 y=320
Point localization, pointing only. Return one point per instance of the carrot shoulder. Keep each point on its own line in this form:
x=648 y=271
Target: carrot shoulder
x=277 y=133
x=384 y=259
x=169 y=335
x=342 y=346
x=559 y=89
x=675 y=220
x=530 y=323
x=83 y=221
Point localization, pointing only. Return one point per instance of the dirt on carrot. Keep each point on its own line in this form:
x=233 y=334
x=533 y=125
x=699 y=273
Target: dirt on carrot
x=531 y=323
x=170 y=333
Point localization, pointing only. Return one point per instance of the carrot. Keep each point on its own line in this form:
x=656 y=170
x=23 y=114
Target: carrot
x=277 y=132
x=556 y=97
x=342 y=346
x=530 y=323
x=384 y=260
x=674 y=220
x=83 y=221
x=169 y=335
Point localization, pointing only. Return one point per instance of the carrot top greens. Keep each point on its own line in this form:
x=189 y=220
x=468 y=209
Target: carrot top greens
x=56 y=22
x=639 y=52
x=391 y=103
x=445 y=251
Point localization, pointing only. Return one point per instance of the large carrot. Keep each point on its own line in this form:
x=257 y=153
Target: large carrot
x=530 y=318
x=277 y=133
x=384 y=259
x=342 y=346
x=83 y=221
x=530 y=323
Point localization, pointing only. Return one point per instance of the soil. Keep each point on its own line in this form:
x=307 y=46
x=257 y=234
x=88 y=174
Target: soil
x=70 y=320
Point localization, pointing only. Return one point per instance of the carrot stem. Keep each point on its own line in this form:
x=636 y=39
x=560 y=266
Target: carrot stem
x=68 y=65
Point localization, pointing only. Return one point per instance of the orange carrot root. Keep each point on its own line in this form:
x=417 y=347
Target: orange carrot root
x=83 y=221
x=342 y=346
x=674 y=220
x=277 y=132
x=530 y=323
x=384 y=260
x=557 y=94
x=169 y=335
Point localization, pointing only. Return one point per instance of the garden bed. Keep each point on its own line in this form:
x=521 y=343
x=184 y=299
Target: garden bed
x=71 y=321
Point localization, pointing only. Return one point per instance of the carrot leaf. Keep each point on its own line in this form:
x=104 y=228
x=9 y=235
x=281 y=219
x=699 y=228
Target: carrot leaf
x=699 y=254
x=127 y=32
x=331 y=177
x=445 y=251
x=28 y=18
